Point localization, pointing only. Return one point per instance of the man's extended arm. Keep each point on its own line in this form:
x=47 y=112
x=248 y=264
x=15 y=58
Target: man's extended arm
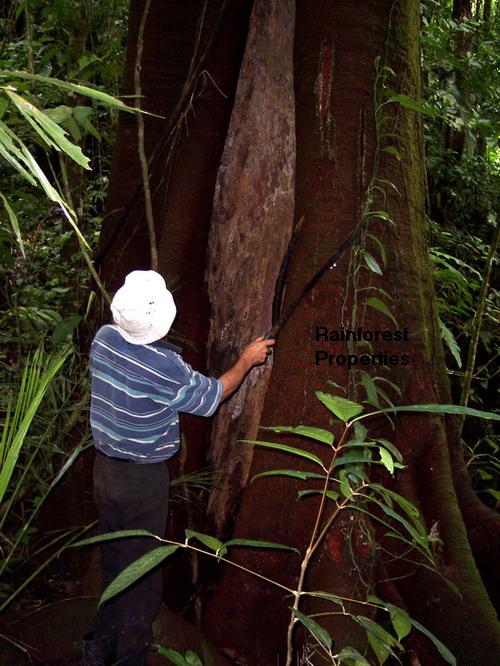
x=255 y=354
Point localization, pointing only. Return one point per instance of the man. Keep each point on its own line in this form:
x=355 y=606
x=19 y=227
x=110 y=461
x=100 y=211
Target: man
x=139 y=386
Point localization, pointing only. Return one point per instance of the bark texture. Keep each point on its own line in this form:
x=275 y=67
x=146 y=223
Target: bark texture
x=251 y=225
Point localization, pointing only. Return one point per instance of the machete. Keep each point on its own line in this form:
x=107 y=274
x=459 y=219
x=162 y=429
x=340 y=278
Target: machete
x=329 y=263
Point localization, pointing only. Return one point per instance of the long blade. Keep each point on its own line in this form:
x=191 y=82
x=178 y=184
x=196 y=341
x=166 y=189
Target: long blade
x=330 y=263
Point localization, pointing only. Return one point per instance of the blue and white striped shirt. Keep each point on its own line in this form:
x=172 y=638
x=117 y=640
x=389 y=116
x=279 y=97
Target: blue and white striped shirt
x=137 y=394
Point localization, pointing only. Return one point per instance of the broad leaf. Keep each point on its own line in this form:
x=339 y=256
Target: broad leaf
x=320 y=634
x=441 y=648
x=173 y=656
x=293 y=473
x=400 y=621
x=386 y=459
x=192 y=659
x=391 y=448
x=48 y=130
x=328 y=596
x=331 y=494
x=377 y=304
x=381 y=640
x=318 y=434
x=286 y=449
x=436 y=409
x=77 y=88
x=372 y=263
x=370 y=389
x=412 y=104
x=136 y=570
x=349 y=654
x=342 y=408
x=110 y=536
x=255 y=543
x=207 y=540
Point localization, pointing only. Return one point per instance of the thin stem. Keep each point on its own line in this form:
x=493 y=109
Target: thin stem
x=313 y=544
x=140 y=140
x=476 y=325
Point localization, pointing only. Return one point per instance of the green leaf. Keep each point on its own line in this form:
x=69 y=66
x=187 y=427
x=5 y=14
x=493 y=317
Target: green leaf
x=381 y=247
x=353 y=458
x=344 y=486
x=380 y=639
x=48 y=130
x=331 y=494
x=59 y=113
x=328 y=596
x=342 y=408
x=370 y=388
x=350 y=653
x=10 y=151
x=65 y=328
x=192 y=659
x=400 y=621
x=255 y=543
x=110 y=536
x=391 y=448
x=449 y=338
x=412 y=104
x=93 y=93
x=82 y=115
x=372 y=263
x=382 y=214
x=441 y=648
x=172 y=655
x=207 y=540
x=136 y=570
x=39 y=371
x=320 y=634
x=389 y=184
x=14 y=224
x=294 y=473
x=377 y=304
x=386 y=459
x=392 y=151
x=286 y=449
x=437 y=409
x=360 y=432
x=4 y=104
x=318 y=434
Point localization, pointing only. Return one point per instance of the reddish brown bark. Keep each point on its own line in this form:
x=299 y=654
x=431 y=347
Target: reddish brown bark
x=251 y=225
x=335 y=144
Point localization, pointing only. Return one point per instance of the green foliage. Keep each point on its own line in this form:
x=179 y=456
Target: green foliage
x=462 y=86
x=350 y=490
x=47 y=125
x=189 y=658
x=37 y=375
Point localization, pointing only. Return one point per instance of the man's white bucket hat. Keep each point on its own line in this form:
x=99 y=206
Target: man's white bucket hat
x=143 y=309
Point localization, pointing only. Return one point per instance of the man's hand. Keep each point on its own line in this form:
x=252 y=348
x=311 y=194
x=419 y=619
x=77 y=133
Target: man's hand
x=257 y=351
x=255 y=354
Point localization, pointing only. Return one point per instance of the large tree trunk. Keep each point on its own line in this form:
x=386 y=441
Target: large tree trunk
x=251 y=225
x=336 y=45
x=335 y=51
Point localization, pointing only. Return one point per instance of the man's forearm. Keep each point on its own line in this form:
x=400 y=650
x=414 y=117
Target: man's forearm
x=233 y=377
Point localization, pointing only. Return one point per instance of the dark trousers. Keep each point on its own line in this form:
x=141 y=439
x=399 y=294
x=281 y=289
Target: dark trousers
x=129 y=496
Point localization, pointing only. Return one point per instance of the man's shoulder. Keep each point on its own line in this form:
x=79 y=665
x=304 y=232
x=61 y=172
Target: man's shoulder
x=107 y=332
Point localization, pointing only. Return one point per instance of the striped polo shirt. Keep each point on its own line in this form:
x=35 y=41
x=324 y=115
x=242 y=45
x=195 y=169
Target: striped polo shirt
x=137 y=394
